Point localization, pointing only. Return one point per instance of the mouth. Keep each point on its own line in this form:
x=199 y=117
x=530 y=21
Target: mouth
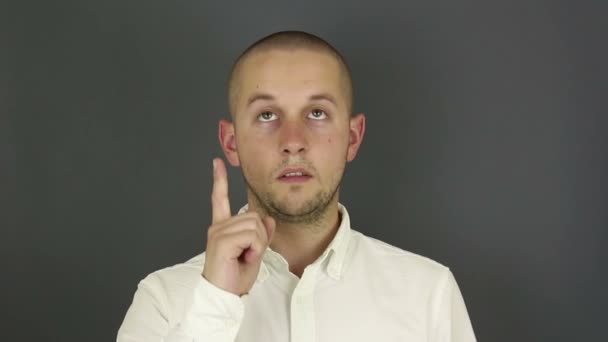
x=294 y=175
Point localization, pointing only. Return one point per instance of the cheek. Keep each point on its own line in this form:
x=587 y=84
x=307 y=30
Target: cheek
x=335 y=139
x=333 y=149
x=249 y=143
x=255 y=153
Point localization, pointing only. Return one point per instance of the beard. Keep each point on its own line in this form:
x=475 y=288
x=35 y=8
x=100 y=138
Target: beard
x=310 y=212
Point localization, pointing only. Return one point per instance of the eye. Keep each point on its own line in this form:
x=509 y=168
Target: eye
x=317 y=114
x=267 y=116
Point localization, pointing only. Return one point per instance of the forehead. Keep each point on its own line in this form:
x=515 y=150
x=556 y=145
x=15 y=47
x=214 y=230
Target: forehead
x=290 y=73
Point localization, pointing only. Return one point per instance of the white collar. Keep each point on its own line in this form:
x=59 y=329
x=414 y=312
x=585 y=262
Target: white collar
x=336 y=250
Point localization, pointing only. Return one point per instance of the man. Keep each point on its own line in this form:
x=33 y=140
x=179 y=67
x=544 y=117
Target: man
x=288 y=266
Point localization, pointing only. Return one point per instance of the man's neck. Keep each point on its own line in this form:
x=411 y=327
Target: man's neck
x=302 y=243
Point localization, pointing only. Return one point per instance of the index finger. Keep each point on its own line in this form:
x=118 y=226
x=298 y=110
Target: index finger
x=220 y=204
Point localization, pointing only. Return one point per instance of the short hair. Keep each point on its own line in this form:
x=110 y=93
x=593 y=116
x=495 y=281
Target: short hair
x=288 y=40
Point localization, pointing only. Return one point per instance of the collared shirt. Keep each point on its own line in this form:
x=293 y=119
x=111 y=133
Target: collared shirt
x=359 y=289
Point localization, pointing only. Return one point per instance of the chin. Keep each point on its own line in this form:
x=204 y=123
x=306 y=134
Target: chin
x=295 y=208
x=309 y=211
x=301 y=204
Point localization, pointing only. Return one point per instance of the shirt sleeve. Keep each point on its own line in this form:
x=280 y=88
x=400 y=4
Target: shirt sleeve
x=450 y=319
x=211 y=315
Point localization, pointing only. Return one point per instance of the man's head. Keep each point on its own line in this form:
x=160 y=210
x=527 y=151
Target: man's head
x=290 y=97
x=287 y=41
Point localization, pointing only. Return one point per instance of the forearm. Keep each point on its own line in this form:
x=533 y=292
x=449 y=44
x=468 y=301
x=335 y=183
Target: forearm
x=210 y=314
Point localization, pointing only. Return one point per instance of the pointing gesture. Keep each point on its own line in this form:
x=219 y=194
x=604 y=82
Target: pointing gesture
x=235 y=244
x=219 y=197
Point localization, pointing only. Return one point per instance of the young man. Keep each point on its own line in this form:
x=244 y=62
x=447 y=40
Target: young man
x=288 y=266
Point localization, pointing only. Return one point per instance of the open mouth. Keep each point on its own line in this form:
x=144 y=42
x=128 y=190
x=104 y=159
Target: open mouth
x=294 y=175
x=294 y=179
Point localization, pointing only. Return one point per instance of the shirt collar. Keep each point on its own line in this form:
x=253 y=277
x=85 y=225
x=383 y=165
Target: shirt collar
x=335 y=251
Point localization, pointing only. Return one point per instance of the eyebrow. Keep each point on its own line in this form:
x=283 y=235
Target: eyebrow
x=323 y=97
x=268 y=97
x=259 y=97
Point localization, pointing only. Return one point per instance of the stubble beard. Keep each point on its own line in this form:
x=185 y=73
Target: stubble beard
x=311 y=212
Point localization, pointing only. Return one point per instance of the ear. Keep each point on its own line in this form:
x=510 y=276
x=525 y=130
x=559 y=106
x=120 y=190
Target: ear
x=228 y=142
x=357 y=131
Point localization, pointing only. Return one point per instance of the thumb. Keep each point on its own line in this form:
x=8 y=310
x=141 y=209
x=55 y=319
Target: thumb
x=270 y=225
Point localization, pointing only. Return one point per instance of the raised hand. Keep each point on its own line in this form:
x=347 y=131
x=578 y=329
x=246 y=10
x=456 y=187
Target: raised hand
x=235 y=244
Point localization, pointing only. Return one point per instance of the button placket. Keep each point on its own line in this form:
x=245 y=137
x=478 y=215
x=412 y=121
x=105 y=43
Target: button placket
x=302 y=308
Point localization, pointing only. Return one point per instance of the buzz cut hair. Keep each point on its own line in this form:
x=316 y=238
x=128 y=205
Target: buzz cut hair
x=289 y=41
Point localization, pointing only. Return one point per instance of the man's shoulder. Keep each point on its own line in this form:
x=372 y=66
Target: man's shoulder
x=378 y=253
x=184 y=274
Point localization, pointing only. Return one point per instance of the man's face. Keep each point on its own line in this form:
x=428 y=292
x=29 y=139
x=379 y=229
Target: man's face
x=293 y=133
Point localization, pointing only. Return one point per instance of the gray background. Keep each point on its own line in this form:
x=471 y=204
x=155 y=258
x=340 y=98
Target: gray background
x=485 y=150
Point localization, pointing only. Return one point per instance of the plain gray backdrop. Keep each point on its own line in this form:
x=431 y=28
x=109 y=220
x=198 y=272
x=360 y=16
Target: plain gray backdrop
x=485 y=150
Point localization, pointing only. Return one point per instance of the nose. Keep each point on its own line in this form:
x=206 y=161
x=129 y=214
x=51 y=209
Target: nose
x=293 y=138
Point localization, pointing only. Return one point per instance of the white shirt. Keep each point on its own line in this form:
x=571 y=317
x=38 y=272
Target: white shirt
x=359 y=289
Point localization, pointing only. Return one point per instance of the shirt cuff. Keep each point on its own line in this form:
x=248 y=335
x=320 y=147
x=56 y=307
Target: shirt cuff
x=213 y=311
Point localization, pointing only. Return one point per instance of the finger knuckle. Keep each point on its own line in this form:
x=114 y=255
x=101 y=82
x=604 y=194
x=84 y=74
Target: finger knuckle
x=252 y=214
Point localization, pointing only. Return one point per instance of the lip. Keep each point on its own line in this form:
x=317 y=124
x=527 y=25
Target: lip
x=295 y=179
x=306 y=175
